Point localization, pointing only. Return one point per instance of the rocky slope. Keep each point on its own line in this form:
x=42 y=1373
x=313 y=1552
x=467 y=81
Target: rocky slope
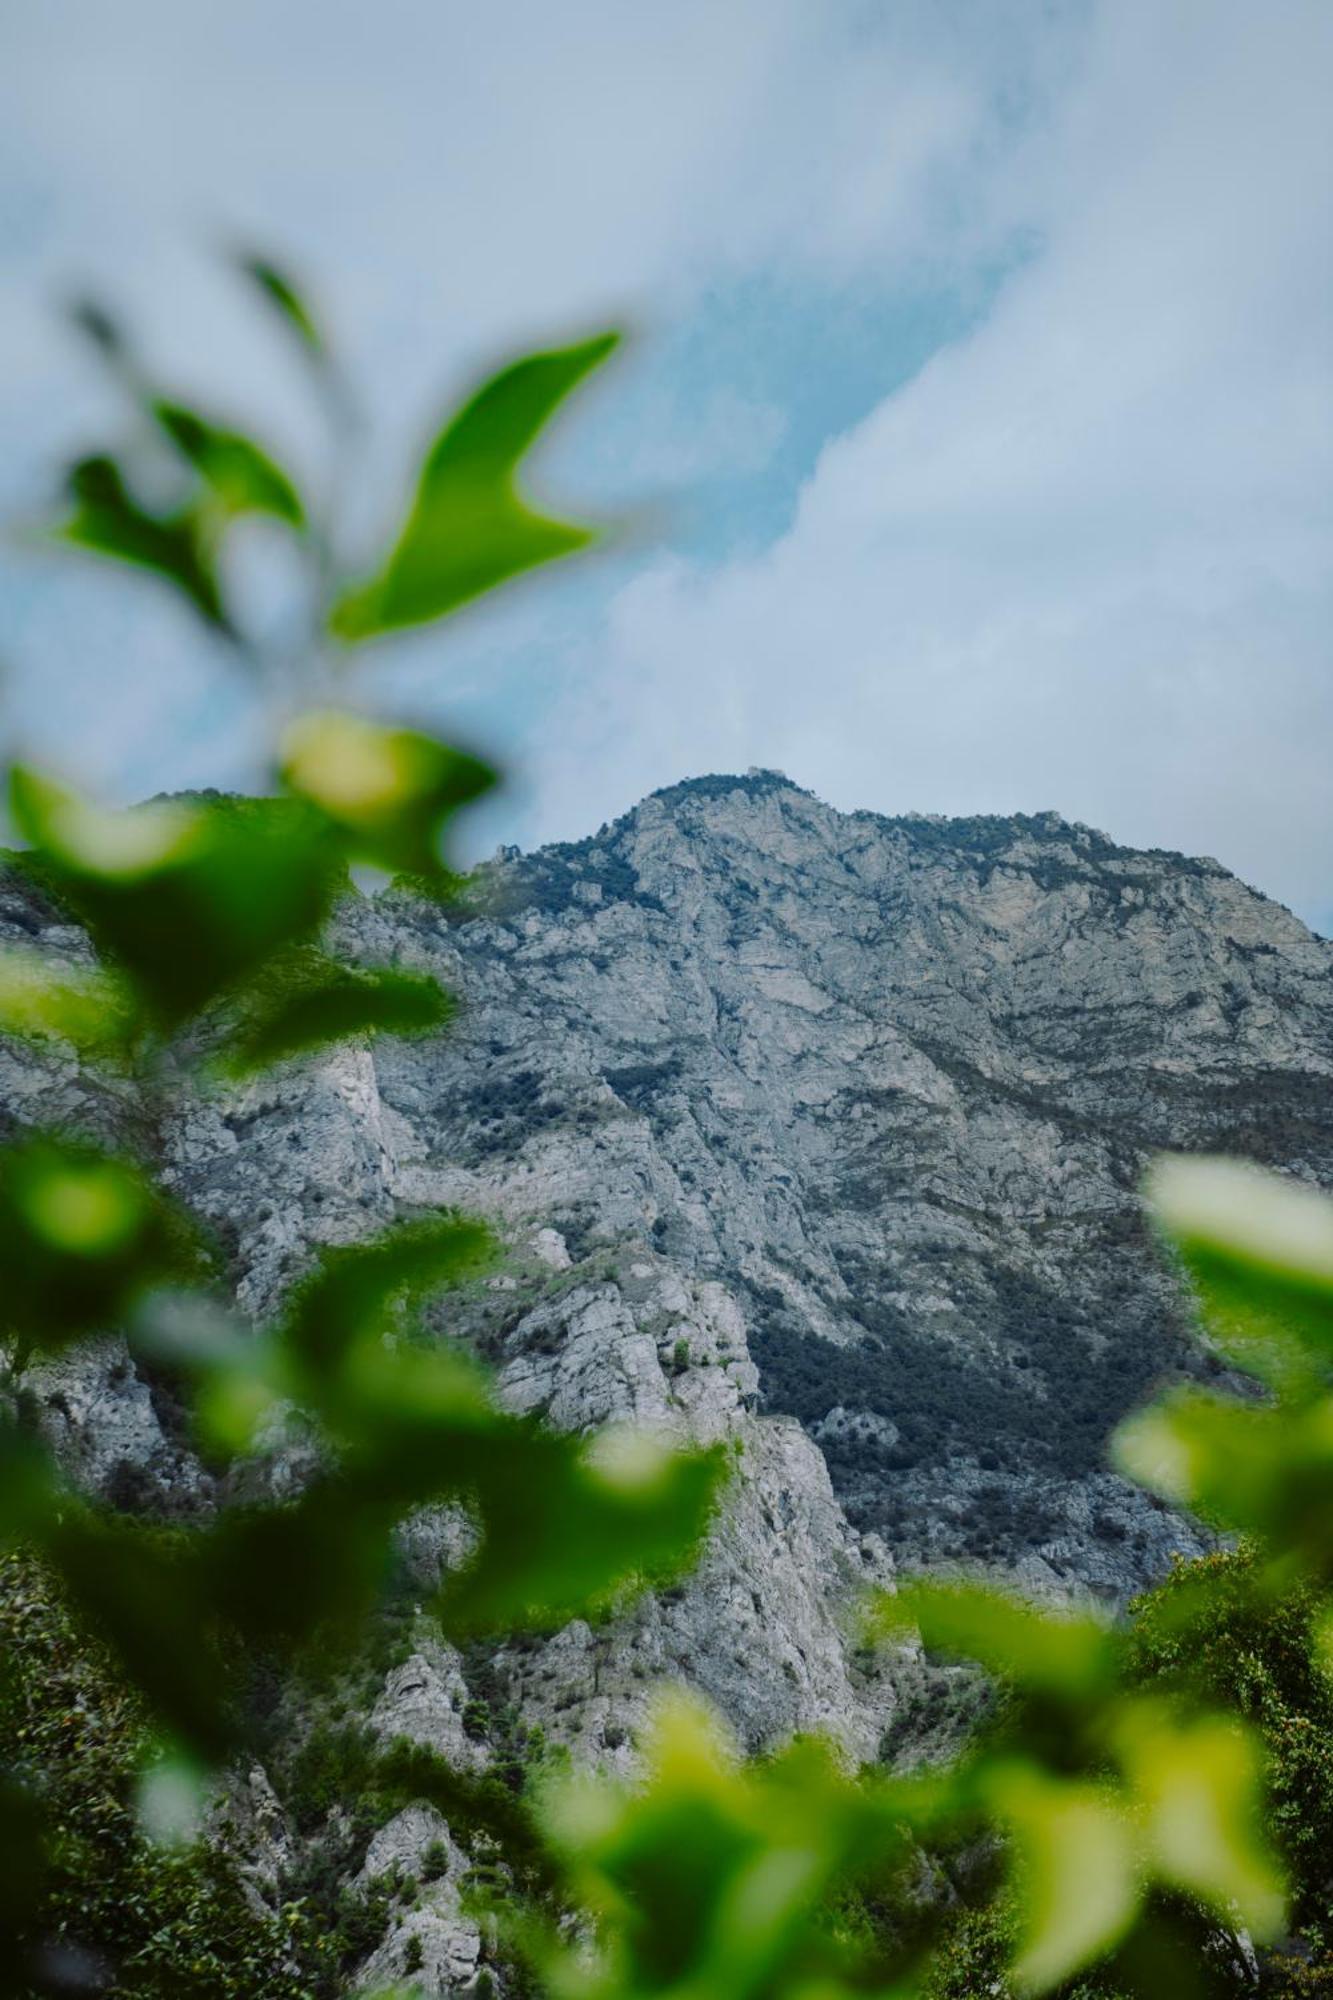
x=891 y=1083
x=816 y=1133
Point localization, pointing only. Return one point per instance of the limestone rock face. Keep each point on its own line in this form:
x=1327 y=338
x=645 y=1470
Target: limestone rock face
x=887 y=1086
x=425 y=1701
x=101 y=1420
x=784 y=1109
x=432 y=1947
x=816 y=1135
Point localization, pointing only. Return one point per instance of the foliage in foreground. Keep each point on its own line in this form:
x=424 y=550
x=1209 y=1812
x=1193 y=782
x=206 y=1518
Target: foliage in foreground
x=1118 y=1790
x=206 y=917
x=1121 y=1783
x=118 y=1915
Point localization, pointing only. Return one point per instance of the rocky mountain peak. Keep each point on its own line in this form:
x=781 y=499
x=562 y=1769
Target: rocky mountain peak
x=893 y=1081
x=815 y=1132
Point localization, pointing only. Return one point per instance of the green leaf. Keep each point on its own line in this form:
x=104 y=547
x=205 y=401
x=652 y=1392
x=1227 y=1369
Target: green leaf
x=563 y=1523
x=82 y=1235
x=1260 y=1250
x=187 y=899
x=712 y=1878
x=244 y=478
x=171 y=1799
x=23 y=1864
x=308 y=1572
x=1057 y=1651
x=391 y=792
x=279 y=291
x=144 y=1592
x=39 y=997
x=566 y=1528
x=1260 y=1220
x=237 y=1385
x=359 y=1292
x=175 y=546
x=27 y=1488
x=330 y=1006
x=1075 y=1863
x=1198 y=1790
x=469 y=528
x=1266 y=1470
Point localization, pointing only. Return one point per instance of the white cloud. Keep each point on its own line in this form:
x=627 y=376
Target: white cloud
x=1081 y=560
x=458 y=173
x=460 y=180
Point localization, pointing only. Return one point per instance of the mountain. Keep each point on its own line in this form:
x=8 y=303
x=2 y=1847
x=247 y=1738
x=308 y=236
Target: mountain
x=892 y=1083
x=818 y=1133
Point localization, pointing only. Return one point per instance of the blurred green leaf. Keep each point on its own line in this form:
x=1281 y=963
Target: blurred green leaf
x=1057 y=1651
x=1273 y=1226
x=236 y=1383
x=39 y=996
x=568 y=1526
x=144 y=1591
x=469 y=528
x=1266 y=1470
x=1323 y=1642
x=303 y=1576
x=710 y=1875
x=330 y=1006
x=27 y=1488
x=1077 y=1876
x=243 y=477
x=176 y=546
x=1260 y=1250
x=391 y=792
x=171 y=1798
x=564 y=1525
x=82 y=1234
x=1197 y=1785
x=359 y=1292
x=186 y=899
x=24 y=1860
x=279 y=291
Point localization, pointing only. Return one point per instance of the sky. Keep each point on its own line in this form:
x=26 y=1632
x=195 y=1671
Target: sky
x=973 y=439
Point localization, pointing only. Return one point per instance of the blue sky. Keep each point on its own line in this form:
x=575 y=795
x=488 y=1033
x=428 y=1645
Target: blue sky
x=980 y=389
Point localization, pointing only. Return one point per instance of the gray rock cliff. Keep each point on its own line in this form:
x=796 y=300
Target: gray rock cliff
x=816 y=1134
x=890 y=1085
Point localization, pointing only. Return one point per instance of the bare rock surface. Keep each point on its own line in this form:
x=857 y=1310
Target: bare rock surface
x=431 y=1945
x=888 y=1086
x=424 y=1702
x=813 y=1135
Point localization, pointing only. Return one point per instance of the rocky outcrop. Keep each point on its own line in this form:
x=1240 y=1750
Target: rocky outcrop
x=431 y=1944
x=424 y=1701
x=890 y=1084
x=814 y=1134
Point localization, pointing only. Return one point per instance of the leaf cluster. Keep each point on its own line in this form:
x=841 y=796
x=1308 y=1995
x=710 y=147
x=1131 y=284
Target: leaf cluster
x=1151 y=1793
x=206 y=918
x=1119 y=1787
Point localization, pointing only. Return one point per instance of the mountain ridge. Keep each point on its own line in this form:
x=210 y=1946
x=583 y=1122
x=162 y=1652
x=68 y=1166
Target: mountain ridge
x=816 y=1135
x=1068 y=957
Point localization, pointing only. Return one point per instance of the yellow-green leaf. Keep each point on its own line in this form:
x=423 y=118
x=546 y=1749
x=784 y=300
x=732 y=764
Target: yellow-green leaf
x=1197 y=1784
x=39 y=996
x=391 y=792
x=1076 y=1871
